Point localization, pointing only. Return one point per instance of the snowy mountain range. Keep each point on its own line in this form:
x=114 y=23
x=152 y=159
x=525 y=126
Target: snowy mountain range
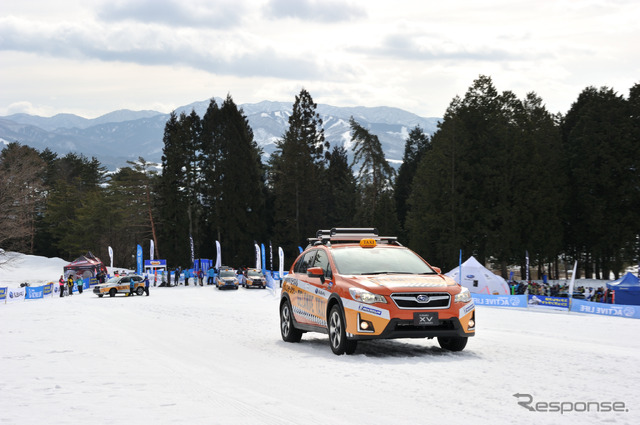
x=124 y=135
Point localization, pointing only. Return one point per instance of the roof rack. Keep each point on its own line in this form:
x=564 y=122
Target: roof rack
x=350 y=235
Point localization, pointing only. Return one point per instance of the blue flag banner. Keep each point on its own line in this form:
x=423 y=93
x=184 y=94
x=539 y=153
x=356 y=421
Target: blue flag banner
x=264 y=261
x=139 y=260
x=518 y=301
x=34 y=292
x=619 y=310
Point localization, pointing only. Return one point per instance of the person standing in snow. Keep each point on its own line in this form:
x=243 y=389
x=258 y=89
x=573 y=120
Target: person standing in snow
x=61 y=282
x=131 y=285
x=70 y=284
x=80 y=284
x=146 y=285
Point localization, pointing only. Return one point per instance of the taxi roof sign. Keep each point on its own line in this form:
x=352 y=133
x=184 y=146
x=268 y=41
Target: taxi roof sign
x=368 y=243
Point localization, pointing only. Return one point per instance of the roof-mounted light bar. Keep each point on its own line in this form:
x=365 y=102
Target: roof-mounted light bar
x=369 y=231
x=350 y=234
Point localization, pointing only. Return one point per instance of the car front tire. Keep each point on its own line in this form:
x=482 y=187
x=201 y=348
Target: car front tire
x=112 y=292
x=453 y=343
x=337 y=334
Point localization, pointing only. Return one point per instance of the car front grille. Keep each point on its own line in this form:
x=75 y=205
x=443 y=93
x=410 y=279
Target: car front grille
x=421 y=300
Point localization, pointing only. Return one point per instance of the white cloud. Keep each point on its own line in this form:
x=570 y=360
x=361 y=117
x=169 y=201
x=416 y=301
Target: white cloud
x=174 y=13
x=314 y=10
x=407 y=54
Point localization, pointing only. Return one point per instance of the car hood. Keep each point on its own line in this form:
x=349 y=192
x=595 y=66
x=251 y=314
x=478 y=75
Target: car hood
x=409 y=282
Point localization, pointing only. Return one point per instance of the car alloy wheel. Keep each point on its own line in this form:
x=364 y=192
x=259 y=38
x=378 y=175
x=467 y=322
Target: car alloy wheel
x=287 y=328
x=337 y=334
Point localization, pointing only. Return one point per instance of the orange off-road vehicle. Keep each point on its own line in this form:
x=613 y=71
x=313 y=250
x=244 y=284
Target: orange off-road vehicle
x=355 y=285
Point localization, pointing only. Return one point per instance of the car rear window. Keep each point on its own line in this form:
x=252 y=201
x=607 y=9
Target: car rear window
x=379 y=260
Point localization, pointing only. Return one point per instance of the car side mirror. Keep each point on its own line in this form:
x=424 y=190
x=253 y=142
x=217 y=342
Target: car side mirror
x=316 y=272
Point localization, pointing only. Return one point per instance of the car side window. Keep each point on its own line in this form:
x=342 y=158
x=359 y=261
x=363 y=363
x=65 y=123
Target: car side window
x=125 y=280
x=305 y=262
x=322 y=261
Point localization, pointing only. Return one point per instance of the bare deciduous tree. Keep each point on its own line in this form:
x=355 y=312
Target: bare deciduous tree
x=22 y=195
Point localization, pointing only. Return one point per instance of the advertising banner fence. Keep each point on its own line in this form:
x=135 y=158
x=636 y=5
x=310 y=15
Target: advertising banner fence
x=517 y=301
x=34 y=292
x=548 y=302
x=15 y=294
x=619 y=310
x=577 y=305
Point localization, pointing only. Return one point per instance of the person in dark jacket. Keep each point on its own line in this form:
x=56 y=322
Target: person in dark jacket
x=146 y=285
x=70 y=284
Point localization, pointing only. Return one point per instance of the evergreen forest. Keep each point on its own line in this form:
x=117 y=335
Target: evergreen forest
x=501 y=177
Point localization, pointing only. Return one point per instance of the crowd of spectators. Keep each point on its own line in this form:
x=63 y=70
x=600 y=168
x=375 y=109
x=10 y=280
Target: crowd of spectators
x=600 y=294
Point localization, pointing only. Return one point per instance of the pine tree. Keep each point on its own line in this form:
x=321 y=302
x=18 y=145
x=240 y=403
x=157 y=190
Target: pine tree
x=436 y=218
x=172 y=193
x=485 y=184
x=414 y=149
x=341 y=186
x=77 y=182
x=209 y=184
x=297 y=175
x=633 y=172
x=374 y=181
x=540 y=181
x=130 y=217
x=597 y=145
x=239 y=185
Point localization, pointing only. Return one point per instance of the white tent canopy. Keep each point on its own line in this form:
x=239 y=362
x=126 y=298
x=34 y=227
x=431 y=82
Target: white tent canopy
x=479 y=279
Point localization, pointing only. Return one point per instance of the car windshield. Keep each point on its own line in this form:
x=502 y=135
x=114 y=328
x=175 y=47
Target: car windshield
x=252 y=273
x=359 y=261
x=227 y=273
x=115 y=279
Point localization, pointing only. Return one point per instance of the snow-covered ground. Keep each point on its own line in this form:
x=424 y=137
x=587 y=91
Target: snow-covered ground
x=196 y=355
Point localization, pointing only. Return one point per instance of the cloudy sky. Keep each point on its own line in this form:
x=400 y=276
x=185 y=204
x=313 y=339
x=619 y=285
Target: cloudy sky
x=92 y=57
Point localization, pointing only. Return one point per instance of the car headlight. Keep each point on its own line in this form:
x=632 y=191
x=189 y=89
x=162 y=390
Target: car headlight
x=464 y=296
x=367 y=297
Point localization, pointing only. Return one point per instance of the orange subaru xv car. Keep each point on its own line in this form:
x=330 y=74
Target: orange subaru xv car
x=355 y=285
